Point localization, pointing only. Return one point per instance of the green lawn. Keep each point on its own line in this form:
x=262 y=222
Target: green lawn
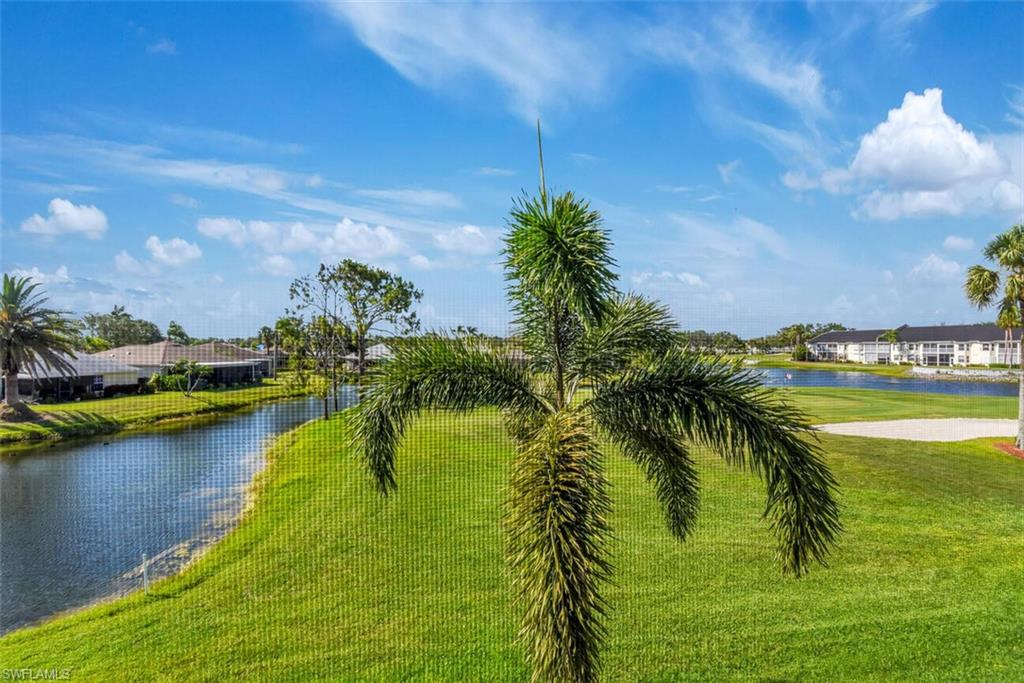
x=109 y=415
x=325 y=580
x=847 y=405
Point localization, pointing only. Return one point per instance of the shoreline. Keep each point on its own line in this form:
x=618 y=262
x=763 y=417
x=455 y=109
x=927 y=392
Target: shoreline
x=215 y=530
x=38 y=434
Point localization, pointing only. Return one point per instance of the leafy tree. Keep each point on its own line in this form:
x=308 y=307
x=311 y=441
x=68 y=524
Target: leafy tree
x=652 y=399
x=32 y=335
x=1003 y=286
x=324 y=336
x=177 y=334
x=185 y=376
x=120 y=328
x=375 y=298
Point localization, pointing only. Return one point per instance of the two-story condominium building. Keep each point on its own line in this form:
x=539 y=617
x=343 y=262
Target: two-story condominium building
x=963 y=345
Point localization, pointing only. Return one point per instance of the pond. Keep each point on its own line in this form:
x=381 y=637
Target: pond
x=76 y=519
x=869 y=380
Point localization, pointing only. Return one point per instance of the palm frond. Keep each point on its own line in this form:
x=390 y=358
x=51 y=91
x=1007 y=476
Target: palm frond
x=558 y=252
x=433 y=373
x=632 y=325
x=981 y=286
x=1007 y=248
x=557 y=536
x=666 y=460
x=716 y=404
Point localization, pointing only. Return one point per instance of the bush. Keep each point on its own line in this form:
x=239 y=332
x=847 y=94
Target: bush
x=801 y=353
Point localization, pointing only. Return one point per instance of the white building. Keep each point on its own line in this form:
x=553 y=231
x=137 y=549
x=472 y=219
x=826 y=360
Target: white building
x=938 y=345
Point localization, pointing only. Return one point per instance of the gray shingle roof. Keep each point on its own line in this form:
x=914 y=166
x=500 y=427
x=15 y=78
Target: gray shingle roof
x=85 y=366
x=984 y=332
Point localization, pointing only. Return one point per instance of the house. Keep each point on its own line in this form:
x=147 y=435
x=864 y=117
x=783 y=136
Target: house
x=230 y=364
x=90 y=377
x=935 y=345
x=374 y=355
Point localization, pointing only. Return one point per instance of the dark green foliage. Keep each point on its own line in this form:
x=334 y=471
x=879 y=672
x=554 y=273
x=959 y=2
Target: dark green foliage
x=120 y=328
x=648 y=397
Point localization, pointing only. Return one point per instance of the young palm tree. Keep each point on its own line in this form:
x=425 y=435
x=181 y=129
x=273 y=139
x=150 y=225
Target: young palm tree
x=1003 y=285
x=31 y=335
x=603 y=369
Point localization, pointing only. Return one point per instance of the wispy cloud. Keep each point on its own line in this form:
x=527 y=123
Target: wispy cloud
x=494 y=171
x=163 y=46
x=433 y=199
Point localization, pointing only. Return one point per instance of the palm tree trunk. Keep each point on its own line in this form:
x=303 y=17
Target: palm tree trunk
x=11 y=396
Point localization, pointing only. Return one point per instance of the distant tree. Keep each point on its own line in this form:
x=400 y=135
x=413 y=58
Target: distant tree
x=324 y=335
x=1003 y=286
x=891 y=336
x=177 y=334
x=32 y=335
x=119 y=328
x=375 y=298
x=466 y=331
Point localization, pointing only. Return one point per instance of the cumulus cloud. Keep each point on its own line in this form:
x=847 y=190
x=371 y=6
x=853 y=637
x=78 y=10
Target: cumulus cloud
x=360 y=241
x=467 y=239
x=37 y=275
x=920 y=162
x=688 y=279
x=129 y=265
x=934 y=268
x=278 y=265
x=174 y=252
x=957 y=243
x=67 y=218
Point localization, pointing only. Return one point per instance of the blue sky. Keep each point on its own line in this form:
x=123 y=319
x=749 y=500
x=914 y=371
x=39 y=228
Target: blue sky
x=756 y=164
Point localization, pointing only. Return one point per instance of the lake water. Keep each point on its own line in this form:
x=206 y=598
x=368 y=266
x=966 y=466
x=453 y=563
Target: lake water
x=868 y=380
x=75 y=519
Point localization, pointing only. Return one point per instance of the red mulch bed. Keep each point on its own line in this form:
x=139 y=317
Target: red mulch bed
x=1010 y=449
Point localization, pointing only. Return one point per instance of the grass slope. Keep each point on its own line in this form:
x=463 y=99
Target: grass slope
x=325 y=580
x=848 y=405
x=785 y=361
x=110 y=415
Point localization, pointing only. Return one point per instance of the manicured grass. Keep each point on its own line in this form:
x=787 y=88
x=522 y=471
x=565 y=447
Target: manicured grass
x=326 y=580
x=784 y=361
x=109 y=415
x=823 y=404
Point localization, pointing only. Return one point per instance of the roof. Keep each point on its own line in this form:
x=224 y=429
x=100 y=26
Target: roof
x=166 y=353
x=985 y=332
x=375 y=352
x=84 y=366
x=848 y=336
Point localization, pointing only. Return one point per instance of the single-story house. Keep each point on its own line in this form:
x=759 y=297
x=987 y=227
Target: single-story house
x=219 y=351
x=936 y=345
x=374 y=355
x=90 y=377
x=228 y=366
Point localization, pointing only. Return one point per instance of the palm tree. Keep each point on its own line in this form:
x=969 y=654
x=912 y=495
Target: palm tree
x=1003 y=285
x=32 y=336
x=652 y=400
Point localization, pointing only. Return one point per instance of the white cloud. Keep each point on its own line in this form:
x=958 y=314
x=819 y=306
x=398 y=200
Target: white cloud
x=934 y=268
x=539 y=61
x=727 y=170
x=58 y=276
x=360 y=241
x=430 y=199
x=710 y=198
x=799 y=181
x=741 y=237
x=467 y=239
x=129 y=265
x=920 y=162
x=278 y=265
x=956 y=243
x=184 y=200
x=230 y=229
x=665 y=277
x=675 y=189
x=1015 y=101
x=67 y=218
x=420 y=261
x=174 y=252
x=494 y=171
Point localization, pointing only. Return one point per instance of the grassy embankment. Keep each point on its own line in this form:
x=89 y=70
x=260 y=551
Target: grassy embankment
x=110 y=415
x=784 y=361
x=325 y=580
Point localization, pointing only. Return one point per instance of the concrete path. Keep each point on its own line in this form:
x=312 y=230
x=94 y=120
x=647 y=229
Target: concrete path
x=949 y=429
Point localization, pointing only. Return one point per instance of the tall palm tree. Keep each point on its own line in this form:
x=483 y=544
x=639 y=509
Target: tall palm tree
x=652 y=400
x=1004 y=286
x=32 y=336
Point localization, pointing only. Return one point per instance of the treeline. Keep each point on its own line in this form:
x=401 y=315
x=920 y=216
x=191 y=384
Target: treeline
x=793 y=337
x=95 y=332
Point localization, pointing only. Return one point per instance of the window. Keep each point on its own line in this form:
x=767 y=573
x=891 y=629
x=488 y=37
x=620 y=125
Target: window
x=985 y=347
x=97 y=384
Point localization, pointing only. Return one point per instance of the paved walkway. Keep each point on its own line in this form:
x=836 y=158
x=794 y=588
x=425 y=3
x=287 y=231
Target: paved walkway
x=949 y=429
